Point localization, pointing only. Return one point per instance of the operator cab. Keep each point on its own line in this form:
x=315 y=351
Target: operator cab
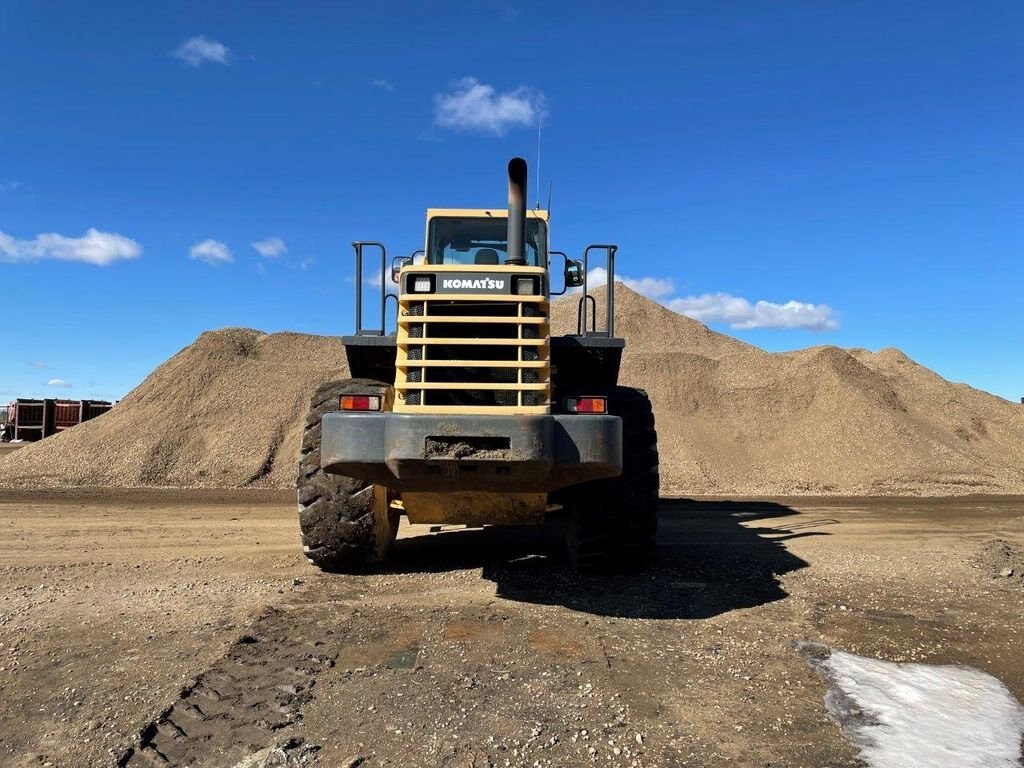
x=480 y=237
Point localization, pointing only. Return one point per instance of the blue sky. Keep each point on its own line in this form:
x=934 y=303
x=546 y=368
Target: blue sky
x=856 y=166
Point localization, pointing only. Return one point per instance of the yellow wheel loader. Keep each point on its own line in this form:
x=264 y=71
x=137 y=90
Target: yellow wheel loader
x=471 y=412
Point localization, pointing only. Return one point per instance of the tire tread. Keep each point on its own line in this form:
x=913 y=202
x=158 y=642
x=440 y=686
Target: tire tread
x=336 y=517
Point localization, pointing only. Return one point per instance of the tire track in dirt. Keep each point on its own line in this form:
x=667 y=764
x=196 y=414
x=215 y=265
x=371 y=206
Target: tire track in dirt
x=249 y=701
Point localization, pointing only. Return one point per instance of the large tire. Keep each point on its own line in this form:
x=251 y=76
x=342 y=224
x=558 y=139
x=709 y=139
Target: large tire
x=612 y=523
x=346 y=524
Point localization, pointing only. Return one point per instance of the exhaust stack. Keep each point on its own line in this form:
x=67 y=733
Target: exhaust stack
x=516 y=212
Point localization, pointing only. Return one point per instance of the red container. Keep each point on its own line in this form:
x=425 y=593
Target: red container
x=36 y=419
x=28 y=417
x=66 y=414
x=93 y=408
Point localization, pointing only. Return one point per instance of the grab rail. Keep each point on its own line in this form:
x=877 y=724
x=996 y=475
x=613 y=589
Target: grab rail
x=581 y=324
x=358 y=246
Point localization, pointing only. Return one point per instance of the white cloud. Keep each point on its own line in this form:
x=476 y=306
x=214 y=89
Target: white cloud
x=198 y=50
x=9 y=186
x=475 y=106
x=94 y=247
x=742 y=314
x=302 y=265
x=735 y=311
x=270 y=248
x=651 y=287
x=213 y=252
x=39 y=364
x=59 y=383
x=386 y=85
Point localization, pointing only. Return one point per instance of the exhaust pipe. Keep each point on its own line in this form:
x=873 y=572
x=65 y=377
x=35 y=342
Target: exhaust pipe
x=516 y=212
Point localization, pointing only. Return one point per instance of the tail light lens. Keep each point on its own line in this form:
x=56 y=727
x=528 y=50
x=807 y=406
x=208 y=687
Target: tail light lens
x=586 y=405
x=360 y=402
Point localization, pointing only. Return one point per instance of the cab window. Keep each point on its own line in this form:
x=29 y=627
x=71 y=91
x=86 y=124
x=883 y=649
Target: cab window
x=481 y=240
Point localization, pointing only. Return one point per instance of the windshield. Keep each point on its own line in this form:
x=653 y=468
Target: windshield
x=482 y=240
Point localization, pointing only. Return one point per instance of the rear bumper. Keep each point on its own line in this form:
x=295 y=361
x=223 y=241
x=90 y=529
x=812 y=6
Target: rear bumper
x=522 y=454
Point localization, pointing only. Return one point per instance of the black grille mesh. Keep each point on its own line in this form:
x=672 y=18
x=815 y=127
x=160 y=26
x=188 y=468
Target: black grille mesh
x=470 y=397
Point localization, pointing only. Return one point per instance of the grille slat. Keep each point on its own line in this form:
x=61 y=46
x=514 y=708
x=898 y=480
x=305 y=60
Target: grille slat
x=474 y=353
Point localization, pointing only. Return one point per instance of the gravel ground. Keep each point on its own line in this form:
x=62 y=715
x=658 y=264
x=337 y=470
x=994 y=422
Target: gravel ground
x=187 y=623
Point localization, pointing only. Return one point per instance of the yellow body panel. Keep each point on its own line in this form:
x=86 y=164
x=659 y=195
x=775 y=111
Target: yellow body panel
x=475 y=508
x=475 y=363
x=492 y=269
x=509 y=320
x=477 y=410
x=536 y=386
x=476 y=342
x=497 y=213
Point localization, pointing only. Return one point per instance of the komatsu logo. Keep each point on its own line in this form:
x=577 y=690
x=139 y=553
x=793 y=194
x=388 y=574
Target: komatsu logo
x=479 y=284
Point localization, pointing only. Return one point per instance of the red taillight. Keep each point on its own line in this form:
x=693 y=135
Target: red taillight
x=360 y=402
x=586 y=405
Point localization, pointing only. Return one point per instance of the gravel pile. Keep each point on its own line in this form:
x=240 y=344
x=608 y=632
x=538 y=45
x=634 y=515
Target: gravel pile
x=732 y=419
x=225 y=412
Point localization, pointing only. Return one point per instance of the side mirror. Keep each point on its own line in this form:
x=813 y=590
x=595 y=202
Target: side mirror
x=573 y=273
x=396 y=269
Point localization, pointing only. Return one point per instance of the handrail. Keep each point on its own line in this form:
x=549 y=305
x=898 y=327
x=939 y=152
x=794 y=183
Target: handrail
x=609 y=292
x=358 y=245
x=394 y=296
x=581 y=315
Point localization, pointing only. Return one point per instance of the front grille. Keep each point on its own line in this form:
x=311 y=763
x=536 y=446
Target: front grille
x=477 y=353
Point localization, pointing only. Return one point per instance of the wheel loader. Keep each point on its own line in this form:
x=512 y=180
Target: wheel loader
x=471 y=412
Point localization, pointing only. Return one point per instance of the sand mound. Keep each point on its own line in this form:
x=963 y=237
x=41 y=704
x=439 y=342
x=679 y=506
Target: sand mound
x=226 y=411
x=732 y=418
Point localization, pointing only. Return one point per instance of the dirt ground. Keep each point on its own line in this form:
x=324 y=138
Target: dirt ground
x=135 y=624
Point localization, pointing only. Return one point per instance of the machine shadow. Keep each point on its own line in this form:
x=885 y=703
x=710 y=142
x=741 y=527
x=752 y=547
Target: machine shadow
x=710 y=561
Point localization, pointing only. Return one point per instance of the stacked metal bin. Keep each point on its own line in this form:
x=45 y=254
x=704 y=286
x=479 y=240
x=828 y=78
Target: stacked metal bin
x=31 y=419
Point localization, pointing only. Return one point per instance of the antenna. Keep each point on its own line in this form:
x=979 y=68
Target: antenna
x=551 y=185
x=539 y=121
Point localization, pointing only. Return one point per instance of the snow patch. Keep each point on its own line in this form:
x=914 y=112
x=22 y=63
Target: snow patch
x=920 y=715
